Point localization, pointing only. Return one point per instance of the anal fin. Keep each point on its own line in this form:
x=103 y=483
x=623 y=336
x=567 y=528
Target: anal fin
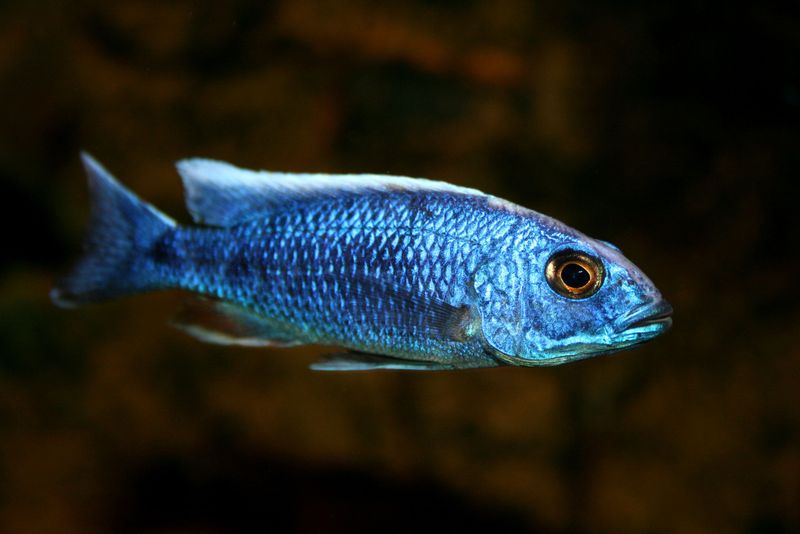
x=361 y=361
x=224 y=323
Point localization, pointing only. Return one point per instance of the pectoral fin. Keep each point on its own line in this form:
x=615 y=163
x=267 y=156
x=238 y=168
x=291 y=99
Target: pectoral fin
x=418 y=314
x=228 y=324
x=360 y=361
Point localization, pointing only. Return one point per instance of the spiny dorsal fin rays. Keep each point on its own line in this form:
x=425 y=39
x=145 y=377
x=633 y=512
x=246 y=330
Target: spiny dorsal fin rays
x=221 y=194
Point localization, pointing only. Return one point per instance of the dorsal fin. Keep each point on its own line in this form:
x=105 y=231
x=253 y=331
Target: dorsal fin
x=221 y=194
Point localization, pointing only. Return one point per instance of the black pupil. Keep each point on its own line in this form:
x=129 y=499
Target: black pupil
x=575 y=276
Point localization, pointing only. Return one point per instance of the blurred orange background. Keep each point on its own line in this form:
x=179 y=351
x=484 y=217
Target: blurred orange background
x=669 y=129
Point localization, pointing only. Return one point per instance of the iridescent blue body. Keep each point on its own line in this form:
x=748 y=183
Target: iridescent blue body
x=405 y=273
x=318 y=269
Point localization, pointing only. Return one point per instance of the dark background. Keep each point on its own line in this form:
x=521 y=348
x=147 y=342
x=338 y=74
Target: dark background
x=669 y=128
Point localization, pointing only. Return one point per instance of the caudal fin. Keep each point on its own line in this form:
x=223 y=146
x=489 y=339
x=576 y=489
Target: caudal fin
x=122 y=229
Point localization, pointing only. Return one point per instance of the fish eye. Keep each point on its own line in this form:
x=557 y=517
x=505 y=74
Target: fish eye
x=573 y=274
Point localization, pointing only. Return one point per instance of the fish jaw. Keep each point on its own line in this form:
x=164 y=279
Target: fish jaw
x=638 y=326
x=643 y=323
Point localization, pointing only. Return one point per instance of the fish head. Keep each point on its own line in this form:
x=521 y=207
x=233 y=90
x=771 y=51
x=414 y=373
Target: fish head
x=582 y=297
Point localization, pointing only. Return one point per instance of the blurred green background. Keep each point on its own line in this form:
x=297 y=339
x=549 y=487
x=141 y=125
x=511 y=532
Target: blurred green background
x=669 y=128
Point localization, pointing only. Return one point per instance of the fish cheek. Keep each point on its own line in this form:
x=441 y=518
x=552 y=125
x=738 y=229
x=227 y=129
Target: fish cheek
x=544 y=322
x=552 y=321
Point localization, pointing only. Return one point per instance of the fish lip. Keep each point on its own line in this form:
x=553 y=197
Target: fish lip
x=658 y=313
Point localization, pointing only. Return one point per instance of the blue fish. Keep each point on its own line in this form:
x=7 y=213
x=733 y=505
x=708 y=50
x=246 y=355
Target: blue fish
x=403 y=273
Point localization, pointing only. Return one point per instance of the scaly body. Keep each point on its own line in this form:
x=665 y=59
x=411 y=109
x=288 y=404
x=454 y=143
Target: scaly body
x=318 y=269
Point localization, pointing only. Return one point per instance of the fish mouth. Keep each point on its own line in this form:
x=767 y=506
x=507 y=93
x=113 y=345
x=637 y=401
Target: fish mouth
x=639 y=325
x=645 y=321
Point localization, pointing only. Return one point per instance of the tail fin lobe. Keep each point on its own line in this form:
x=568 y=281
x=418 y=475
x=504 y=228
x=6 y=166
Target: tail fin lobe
x=122 y=228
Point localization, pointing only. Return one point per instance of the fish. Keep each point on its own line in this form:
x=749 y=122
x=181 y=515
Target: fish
x=401 y=273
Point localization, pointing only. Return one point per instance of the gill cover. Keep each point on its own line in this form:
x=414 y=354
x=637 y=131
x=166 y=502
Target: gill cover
x=498 y=287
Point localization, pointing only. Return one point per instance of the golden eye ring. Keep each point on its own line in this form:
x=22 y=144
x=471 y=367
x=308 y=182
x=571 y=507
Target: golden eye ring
x=574 y=274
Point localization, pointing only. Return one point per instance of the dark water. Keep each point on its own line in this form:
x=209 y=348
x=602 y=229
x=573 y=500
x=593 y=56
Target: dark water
x=671 y=129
